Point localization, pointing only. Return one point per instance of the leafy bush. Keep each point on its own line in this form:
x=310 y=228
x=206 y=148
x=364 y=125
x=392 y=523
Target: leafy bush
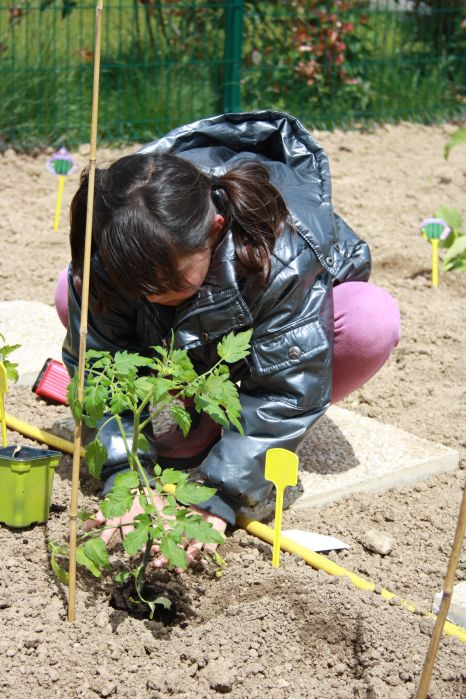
x=314 y=55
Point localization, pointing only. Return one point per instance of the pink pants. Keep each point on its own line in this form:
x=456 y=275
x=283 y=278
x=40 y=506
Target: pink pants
x=367 y=328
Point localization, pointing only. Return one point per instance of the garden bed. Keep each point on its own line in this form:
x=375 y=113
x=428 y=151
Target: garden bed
x=255 y=631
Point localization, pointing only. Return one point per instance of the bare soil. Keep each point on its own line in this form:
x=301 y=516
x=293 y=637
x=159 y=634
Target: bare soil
x=255 y=631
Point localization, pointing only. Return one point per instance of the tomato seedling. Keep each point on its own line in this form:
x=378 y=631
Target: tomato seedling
x=128 y=384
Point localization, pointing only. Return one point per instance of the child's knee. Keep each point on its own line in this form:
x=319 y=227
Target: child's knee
x=385 y=317
x=61 y=296
x=367 y=319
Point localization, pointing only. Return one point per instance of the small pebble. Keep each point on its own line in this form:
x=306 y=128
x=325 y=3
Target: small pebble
x=377 y=541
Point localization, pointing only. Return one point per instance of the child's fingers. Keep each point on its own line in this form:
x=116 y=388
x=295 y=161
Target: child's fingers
x=192 y=551
x=210 y=548
x=107 y=534
x=160 y=562
x=113 y=525
x=97 y=521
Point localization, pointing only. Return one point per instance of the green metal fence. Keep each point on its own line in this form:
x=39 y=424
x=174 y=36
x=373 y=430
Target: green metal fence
x=332 y=62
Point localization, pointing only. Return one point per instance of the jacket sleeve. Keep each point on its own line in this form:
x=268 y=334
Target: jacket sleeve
x=356 y=262
x=114 y=330
x=287 y=387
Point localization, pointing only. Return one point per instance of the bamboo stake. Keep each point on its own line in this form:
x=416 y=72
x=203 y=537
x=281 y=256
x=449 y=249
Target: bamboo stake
x=84 y=313
x=445 y=603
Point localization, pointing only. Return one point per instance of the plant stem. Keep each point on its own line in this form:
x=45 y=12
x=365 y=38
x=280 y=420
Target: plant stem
x=141 y=574
x=135 y=462
x=112 y=417
x=125 y=441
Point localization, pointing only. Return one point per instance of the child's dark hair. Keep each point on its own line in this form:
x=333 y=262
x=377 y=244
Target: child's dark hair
x=152 y=209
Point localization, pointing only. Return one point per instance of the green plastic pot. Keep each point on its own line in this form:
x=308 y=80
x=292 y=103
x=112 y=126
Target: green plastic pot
x=26 y=478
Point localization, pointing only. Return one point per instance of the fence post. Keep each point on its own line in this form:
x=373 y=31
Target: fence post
x=232 y=55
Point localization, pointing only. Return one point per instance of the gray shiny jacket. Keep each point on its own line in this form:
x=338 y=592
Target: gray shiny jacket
x=287 y=379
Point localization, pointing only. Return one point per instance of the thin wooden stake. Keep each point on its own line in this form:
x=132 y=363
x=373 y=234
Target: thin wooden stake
x=445 y=603
x=84 y=313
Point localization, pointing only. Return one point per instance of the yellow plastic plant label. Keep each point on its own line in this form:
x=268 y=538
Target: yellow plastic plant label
x=281 y=467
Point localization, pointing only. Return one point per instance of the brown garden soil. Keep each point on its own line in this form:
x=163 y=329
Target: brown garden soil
x=255 y=631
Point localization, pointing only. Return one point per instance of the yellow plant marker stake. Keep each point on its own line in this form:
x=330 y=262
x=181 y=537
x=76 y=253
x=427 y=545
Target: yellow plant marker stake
x=3 y=390
x=62 y=164
x=56 y=220
x=433 y=230
x=434 y=243
x=281 y=467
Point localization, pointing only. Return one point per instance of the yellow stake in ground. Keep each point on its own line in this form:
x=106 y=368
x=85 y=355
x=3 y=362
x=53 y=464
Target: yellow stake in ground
x=62 y=164
x=3 y=390
x=281 y=467
x=433 y=230
x=56 y=220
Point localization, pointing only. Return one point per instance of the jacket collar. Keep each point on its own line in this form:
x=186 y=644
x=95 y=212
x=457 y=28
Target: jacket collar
x=218 y=308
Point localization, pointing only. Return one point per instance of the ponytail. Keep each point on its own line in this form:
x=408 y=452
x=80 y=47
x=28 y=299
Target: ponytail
x=255 y=212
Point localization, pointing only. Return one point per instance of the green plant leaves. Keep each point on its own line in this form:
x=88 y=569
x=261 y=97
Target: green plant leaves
x=127 y=479
x=96 y=551
x=7 y=349
x=61 y=573
x=162 y=389
x=143 y=386
x=72 y=396
x=204 y=403
x=193 y=494
x=175 y=555
x=95 y=398
x=457 y=250
x=10 y=367
x=96 y=456
x=113 y=387
x=181 y=417
x=143 y=442
x=451 y=216
x=200 y=530
x=457 y=137
x=172 y=476
x=88 y=563
x=455 y=258
x=93 y=555
x=119 y=403
x=135 y=540
x=125 y=363
x=57 y=551
x=101 y=358
x=120 y=499
x=234 y=347
x=122 y=576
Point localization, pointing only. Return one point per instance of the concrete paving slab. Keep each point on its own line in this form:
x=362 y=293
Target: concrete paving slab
x=457 y=609
x=36 y=327
x=348 y=453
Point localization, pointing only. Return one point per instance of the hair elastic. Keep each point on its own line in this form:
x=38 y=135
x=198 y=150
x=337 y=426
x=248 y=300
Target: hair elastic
x=215 y=183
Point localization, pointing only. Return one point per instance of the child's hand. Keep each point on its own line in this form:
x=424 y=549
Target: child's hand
x=124 y=524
